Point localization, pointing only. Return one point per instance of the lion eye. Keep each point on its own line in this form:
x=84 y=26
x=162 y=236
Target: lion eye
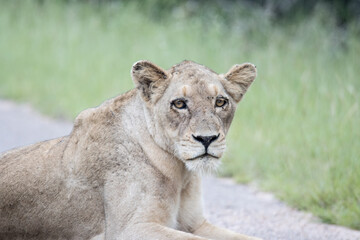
x=220 y=102
x=179 y=104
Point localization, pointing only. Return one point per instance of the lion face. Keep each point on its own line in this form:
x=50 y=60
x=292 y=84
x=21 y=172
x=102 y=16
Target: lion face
x=189 y=108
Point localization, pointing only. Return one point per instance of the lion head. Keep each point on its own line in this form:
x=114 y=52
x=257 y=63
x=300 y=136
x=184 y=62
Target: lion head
x=189 y=108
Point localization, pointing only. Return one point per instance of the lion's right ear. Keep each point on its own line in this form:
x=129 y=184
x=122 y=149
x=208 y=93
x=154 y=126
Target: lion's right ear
x=150 y=80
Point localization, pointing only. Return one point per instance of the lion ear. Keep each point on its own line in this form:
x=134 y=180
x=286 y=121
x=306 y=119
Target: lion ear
x=238 y=79
x=150 y=80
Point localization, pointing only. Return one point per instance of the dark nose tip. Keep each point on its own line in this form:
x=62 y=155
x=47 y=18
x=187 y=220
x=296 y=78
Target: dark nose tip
x=206 y=140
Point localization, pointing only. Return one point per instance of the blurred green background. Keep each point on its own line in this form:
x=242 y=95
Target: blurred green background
x=297 y=131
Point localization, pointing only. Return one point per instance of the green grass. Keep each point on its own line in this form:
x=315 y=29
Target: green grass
x=297 y=131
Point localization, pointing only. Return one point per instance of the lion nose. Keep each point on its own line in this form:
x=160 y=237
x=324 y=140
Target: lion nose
x=206 y=140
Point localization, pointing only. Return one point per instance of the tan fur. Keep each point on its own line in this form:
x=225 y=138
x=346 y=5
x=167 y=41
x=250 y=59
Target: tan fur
x=130 y=169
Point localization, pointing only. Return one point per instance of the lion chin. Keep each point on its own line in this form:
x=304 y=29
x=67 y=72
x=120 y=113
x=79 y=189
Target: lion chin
x=204 y=164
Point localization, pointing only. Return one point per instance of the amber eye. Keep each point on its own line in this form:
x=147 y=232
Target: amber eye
x=179 y=104
x=220 y=102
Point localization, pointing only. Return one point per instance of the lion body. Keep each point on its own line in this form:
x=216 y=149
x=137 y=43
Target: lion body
x=109 y=179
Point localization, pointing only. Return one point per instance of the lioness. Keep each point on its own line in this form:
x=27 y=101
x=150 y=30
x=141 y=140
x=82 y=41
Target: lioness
x=130 y=169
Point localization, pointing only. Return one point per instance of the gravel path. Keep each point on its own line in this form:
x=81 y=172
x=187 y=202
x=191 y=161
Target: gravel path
x=237 y=207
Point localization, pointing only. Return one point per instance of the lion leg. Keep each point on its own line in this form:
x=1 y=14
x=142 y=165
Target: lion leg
x=101 y=236
x=216 y=233
x=154 y=231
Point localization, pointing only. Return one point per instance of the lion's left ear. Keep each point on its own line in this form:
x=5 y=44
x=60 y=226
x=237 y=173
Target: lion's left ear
x=150 y=80
x=238 y=79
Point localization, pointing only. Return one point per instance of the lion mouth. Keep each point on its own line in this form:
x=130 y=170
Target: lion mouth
x=202 y=155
